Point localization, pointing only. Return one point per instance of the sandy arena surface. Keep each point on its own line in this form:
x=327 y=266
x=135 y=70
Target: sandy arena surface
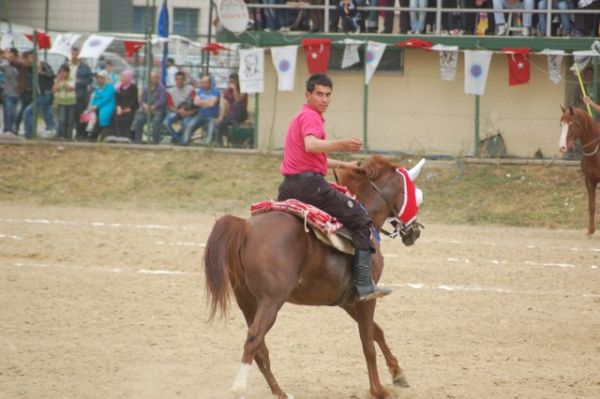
x=99 y=303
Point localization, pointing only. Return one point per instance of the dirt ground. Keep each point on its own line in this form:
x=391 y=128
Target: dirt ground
x=98 y=303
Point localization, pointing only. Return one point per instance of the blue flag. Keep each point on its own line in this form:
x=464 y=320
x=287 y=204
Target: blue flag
x=163 y=36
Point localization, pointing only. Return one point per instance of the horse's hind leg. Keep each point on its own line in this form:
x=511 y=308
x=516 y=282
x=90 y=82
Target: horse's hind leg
x=396 y=371
x=247 y=304
x=591 y=189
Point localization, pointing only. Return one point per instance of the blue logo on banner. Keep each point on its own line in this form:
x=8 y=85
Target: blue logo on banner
x=284 y=66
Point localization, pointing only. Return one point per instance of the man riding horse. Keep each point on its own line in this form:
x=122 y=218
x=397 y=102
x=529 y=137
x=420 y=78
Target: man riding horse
x=304 y=166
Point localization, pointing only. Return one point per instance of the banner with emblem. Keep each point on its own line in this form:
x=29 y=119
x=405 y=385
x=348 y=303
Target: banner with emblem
x=373 y=56
x=477 y=66
x=317 y=54
x=63 y=42
x=448 y=61
x=284 y=61
x=252 y=70
x=95 y=45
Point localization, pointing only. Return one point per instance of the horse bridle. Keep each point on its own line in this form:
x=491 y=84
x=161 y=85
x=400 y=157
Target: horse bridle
x=587 y=154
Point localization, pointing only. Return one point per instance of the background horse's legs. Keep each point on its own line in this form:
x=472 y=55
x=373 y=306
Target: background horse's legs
x=591 y=189
x=396 y=371
x=364 y=316
x=247 y=304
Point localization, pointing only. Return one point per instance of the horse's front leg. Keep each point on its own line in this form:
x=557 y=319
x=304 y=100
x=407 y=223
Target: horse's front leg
x=591 y=189
x=366 y=329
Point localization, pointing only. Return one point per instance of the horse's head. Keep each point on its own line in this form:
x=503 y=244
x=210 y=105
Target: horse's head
x=571 y=128
x=389 y=194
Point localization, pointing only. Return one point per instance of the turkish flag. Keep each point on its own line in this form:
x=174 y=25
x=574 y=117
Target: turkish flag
x=132 y=47
x=214 y=48
x=317 y=54
x=415 y=43
x=42 y=39
x=518 y=65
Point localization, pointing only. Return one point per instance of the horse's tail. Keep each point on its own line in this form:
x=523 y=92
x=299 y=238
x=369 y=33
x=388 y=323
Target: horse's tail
x=222 y=262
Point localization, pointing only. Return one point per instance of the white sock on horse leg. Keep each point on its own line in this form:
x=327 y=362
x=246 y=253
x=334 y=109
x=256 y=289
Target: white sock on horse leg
x=241 y=381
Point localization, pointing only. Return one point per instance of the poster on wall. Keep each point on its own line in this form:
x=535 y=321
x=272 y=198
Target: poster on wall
x=252 y=70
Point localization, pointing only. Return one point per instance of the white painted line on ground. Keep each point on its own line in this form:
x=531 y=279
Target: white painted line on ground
x=482 y=289
x=500 y=243
x=100 y=224
x=10 y=237
x=181 y=243
x=105 y=270
x=532 y=263
x=525 y=262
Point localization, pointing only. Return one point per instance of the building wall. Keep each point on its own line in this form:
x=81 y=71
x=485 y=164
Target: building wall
x=417 y=112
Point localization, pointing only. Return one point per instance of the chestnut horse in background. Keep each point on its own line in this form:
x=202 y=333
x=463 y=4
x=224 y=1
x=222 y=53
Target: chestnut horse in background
x=269 y=259
x=577 y=124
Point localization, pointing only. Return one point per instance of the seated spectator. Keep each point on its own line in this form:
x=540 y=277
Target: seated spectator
x=348 y=13
x=586 y=24
x=565 y=19
x=64 y=99
x=207 y=100
x=235 y=110
x=417 y=19
x=157 y=94
x=43 y=101
x=181 y=107
x=171 y=72
x=127 y=104
x=501 y=26
x=103 y=103
x=11 y=92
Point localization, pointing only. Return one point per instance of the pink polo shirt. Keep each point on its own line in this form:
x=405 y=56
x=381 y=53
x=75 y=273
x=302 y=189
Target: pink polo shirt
x=295 y=157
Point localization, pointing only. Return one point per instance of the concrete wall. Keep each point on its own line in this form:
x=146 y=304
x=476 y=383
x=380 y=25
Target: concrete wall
x=417 y=112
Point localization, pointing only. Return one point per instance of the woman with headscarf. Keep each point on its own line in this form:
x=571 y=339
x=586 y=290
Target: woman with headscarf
x=103 y=103
x=127 y=104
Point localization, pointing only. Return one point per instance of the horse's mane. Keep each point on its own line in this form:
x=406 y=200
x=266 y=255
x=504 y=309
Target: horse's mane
x=370 y=169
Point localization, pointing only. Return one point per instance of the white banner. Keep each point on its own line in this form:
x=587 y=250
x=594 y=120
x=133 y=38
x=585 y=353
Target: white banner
x=7 y=41
x=284 y=60
x=477 y=66
x=350 y=56
x=95 y=45
x=63 y=42
x=252 y=70
x=448 y=61
x=374 y=53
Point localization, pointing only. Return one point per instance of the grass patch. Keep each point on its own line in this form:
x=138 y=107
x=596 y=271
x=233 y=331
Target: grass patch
x=528 y=195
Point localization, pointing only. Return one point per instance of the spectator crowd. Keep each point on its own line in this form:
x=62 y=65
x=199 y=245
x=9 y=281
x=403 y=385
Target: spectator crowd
x=77 y=103
x=350 y=16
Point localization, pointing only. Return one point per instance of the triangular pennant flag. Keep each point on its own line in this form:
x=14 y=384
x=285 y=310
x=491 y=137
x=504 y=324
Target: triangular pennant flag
x=477 y=65
x=414 y=43
x=317 y=54
x=95 y=45
x=518 y=65
x=63 y=42
x=214 y=48
x=284 y=61
x=582 y=59
x=43 y=40
x=374 y=53
x=555 y=58
x=132 y=47
x=350 y=56
x=448 y=61
x=252 y=70
x=7 y=41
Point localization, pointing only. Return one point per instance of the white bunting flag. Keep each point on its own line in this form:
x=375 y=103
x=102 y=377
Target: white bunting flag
x=63 y=42
x=477 y=66
x=284 y=61
x=582 y=59
x=448 y=61
x=350 y=56
x=95 y=45
x=555 y=58
x=374 y=53
x=7 y=41
x=252 y=70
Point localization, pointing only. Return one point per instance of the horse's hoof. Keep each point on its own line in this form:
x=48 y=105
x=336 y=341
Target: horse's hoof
x=401 y=381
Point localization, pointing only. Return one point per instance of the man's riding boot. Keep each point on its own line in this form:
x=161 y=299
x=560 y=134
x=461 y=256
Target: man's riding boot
x=363 y=279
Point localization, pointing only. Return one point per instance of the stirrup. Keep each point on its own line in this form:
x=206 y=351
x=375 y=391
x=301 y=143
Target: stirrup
x=378 y=292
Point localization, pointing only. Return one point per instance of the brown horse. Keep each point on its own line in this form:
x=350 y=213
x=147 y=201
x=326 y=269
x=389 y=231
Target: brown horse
x=269 y=259
x=576 y=124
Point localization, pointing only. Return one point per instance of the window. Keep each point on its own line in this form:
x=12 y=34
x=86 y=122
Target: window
x=140 y=19
x=391 y=61
x=185 y=21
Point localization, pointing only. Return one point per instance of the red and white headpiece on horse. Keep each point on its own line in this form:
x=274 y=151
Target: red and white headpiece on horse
x=413 y=197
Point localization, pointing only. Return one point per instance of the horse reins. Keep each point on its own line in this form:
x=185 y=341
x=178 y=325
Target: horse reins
x=589 y=154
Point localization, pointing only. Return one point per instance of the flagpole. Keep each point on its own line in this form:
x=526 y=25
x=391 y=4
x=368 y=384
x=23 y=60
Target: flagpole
x=7 y=10
x=149 y=62
x=34 y=83
x=477 y=100
x=210 y=17
x=365 y=106
x=46 y=28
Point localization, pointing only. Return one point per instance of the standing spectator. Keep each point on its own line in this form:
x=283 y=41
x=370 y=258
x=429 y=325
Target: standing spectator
x=565 y=19
x=181 y=107
x=24 y=84
x=273 y=16
x=158 y=108
x=388 y=16
x=586 y=24
x=111 y=76
x=103 y=103
x=64 y=99
x=207 y=99
x=235 y=106
x=347 y=11
x=453 y=22
x=171 y=72
x=479 y=23
x=316 y=16
x=82 y=75
x=417 y=18
x=11 y=91
x=43 y=101
x=127 y=104
x=501 y=27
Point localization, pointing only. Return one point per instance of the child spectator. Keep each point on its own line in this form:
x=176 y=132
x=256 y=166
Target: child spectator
x=347 y=11
x=64 y=99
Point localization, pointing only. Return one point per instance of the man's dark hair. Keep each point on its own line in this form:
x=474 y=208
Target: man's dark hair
x=14 y=51
x=179 y=73
x=170 y=60
x=27 y=53
x=318 y=79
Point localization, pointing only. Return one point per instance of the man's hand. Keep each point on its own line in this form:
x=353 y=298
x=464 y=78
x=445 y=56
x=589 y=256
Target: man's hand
x=353 y=145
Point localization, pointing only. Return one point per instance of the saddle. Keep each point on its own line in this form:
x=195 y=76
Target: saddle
x=324 y=226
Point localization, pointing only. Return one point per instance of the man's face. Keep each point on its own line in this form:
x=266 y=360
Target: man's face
x=205 y=83
x=179 y=81
x=28 y=59
x=74 y=56
x=319 y=98
x=154 y=79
